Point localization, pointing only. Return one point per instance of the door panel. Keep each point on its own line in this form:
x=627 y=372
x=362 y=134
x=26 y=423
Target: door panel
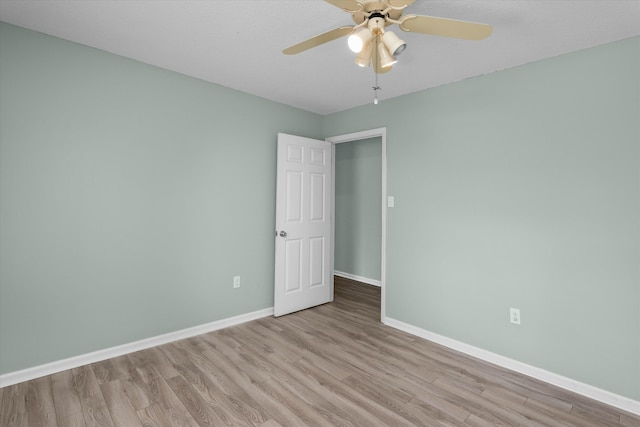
x=316 y=261
x=293 y=255
x=317 y=197
x=294 y=197
x=303 y=224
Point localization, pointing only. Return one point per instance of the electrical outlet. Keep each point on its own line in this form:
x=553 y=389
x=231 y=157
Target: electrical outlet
x=236 y=281
x=514 y=314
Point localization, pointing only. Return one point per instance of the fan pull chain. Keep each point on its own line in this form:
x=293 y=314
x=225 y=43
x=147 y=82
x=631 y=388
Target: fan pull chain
x=376 y=88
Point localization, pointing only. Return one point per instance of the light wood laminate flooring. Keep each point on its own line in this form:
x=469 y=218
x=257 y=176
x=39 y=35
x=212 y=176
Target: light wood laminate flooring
x=333 y=365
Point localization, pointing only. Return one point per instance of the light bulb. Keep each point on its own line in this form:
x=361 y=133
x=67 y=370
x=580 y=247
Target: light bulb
x=375 y=100
x=355 y=44
x=359 y=38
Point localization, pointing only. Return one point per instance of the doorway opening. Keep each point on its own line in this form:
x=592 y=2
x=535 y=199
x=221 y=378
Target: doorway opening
x=377 y=135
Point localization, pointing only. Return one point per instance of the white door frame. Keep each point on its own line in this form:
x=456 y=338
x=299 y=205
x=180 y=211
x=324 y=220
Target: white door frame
x=372 y=133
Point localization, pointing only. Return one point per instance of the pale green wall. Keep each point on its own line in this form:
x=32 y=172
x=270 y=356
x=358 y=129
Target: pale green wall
x=358 y=189
x=130 y=197
x=521 y=189
x=128 y=200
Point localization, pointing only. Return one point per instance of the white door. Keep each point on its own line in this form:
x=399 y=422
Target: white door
x=303 y=224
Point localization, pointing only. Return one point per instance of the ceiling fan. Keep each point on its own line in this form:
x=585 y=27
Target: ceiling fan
x=368 y=37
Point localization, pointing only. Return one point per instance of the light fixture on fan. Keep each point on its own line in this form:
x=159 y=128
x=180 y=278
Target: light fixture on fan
x=388 y=45
x=364 y=57
x=372 y=16
x=381 y=48
x=393 y=43
x=385 y=58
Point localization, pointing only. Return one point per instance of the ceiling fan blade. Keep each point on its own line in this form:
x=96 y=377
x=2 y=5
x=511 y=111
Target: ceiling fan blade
x=445 y=27
x=401 y=3
x=318 y=40
x=348 y=5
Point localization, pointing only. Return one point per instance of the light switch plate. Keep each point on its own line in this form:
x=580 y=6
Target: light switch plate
x=391 y=202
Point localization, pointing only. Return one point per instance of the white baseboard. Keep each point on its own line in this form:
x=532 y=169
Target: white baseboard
x=357 y=278
x=587 y=390
x=97 y=356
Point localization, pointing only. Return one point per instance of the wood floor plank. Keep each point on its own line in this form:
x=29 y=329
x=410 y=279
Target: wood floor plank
x=270 y=423
x=162 y=394
x=482 y=407
x=121 y=367
x=153 y=416
x=295 y=383
x=154 y=357
x=201 y=411
x=136 y=389
x=560 y=417
x=228 y=400
x=286 y=349
x=39 y=403
x=312 y=391
x=302 y=412
x=146 y=372
x=376 y=411
x=66 y=400
x=13 y=408
x=594 y=412
x=241 y=361
x=331 y=386
x=104 y=371
x=629 y=420
x=335 y=364
x=251 y=382
x=120 y=408
x=94 y=408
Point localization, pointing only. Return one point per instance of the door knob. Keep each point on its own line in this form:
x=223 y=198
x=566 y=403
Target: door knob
x=283 y=234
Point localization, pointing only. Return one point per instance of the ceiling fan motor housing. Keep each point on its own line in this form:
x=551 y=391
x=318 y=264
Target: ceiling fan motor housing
x=372 y=7
x=376 y=23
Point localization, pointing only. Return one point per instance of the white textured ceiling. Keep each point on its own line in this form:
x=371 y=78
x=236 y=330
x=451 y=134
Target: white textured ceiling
x=238 y=43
